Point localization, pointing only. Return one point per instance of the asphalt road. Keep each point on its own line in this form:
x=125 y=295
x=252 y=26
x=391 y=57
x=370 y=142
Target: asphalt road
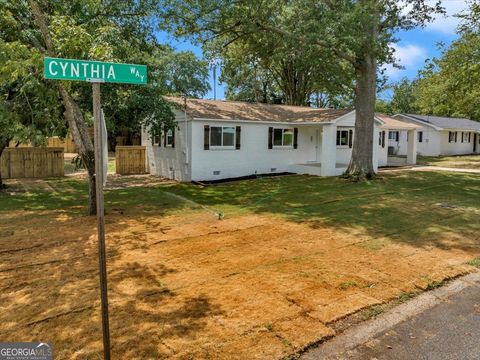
x=443 y=324
x=450 y=330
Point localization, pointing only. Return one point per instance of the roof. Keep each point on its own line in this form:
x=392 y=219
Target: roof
x=236 y=110
x=446 y=122
x=391 y=123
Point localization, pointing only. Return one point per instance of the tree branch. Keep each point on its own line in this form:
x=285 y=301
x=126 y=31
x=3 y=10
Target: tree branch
x=320 y=43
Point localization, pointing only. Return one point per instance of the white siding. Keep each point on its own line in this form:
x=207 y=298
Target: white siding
x=169 y=162
x=455 y=148
x=253 y=157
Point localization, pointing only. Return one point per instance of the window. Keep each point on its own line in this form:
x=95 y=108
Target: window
x=342 y=137
x=222 y=136
x=379 y=138
x=452 y=136
x=156 y=138
x=282 y=137
x=465 y=137
x=393 y=135
x=420 y=136
x=169 y=140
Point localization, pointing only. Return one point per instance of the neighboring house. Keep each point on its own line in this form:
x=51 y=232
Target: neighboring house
x=441 y=135
x=216 y=140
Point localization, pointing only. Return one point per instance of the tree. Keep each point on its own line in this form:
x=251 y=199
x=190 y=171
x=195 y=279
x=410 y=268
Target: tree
x=357 y=34
x=449 y=85
x=402 y=100
x=121 y=31
x=25 y=117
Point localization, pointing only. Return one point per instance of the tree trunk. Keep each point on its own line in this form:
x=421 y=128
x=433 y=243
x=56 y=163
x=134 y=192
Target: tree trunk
x=361 y=163
x=73 y=114
x=2 y=147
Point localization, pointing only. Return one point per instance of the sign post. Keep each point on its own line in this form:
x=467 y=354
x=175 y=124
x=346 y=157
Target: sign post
x=97 y=72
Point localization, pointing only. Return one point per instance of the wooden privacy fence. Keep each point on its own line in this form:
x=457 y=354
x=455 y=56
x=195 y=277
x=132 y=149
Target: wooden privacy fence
x=67 y=143
x=29 y=162
x=130 y=160
x=53 y=141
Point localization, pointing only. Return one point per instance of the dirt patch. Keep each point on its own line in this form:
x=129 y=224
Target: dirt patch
x=189 y=286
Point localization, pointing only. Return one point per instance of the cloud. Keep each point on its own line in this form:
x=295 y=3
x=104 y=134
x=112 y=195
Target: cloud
x=409 y=56
x=447 y=23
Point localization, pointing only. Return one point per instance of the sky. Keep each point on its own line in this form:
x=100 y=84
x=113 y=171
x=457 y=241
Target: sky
x=412 y=50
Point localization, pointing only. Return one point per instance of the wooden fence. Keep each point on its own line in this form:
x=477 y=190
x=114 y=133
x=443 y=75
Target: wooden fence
x=29 y=162
x=54 y=141
x=130 y=160
x=67 y=143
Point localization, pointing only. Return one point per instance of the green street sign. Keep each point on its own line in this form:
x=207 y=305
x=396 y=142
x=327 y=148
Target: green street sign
x=94 y=71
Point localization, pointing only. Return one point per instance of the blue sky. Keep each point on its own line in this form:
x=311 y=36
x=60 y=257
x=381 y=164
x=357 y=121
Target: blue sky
x=412 y=50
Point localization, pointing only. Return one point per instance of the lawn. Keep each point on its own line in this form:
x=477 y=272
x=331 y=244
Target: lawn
x=463 y=161
x=292 y=256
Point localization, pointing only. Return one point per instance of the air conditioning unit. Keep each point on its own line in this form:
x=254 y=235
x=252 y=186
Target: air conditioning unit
x=391 y=150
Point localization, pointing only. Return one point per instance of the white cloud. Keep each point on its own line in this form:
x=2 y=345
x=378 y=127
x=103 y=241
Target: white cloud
x=409 y=56
x=447 y=23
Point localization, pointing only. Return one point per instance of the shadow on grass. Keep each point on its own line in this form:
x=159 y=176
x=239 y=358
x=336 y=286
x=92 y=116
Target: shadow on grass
x=415 y=208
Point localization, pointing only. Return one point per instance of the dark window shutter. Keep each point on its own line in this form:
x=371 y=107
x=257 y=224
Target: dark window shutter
x=295 y=138
x=173 y=137
x=350 y=138
x=397 y=136
x=469 y=138
x=270 y=137
x=456 y=132
x=383 y=139
x=238 y=131
x=449 y=136
x=206 y=137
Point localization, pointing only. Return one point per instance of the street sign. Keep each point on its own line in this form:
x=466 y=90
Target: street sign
x=98 y=72
x=94 y=71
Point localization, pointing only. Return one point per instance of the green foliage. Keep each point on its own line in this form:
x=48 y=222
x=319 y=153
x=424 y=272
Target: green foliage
x=448 y=86
x=403 y=98
x=119 y=31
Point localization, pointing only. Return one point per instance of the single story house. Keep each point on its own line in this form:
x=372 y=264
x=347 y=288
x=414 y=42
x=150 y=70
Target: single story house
x=438 y=135
x=216 y=140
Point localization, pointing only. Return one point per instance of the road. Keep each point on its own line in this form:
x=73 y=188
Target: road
x=447 y=327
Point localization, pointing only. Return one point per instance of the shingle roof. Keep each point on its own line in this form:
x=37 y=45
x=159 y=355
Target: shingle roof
x=395 y=124
x=236 y=110
x=447 y=122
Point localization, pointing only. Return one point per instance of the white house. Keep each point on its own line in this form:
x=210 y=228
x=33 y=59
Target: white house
x=440 y=135
x=216 y=140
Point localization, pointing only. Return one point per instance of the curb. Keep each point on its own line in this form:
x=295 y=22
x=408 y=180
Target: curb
x=364 y=332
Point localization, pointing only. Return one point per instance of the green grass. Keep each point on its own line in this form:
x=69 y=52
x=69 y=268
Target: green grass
x=475 y=262
x=348 y=284
x=463 y=161
x=401 y=207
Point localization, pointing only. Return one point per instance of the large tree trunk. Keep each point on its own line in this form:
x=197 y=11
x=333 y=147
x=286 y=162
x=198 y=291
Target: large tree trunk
x=73 y=114
x=361 y=163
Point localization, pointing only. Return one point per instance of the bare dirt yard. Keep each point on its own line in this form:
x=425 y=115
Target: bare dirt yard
x=292 y=256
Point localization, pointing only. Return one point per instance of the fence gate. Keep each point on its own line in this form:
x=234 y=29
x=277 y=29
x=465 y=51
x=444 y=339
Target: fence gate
x=29 y=162
x=130 y=160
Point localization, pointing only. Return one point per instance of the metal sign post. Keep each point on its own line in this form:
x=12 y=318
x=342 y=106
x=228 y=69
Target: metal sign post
x=97 y=72
x=102 y=257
